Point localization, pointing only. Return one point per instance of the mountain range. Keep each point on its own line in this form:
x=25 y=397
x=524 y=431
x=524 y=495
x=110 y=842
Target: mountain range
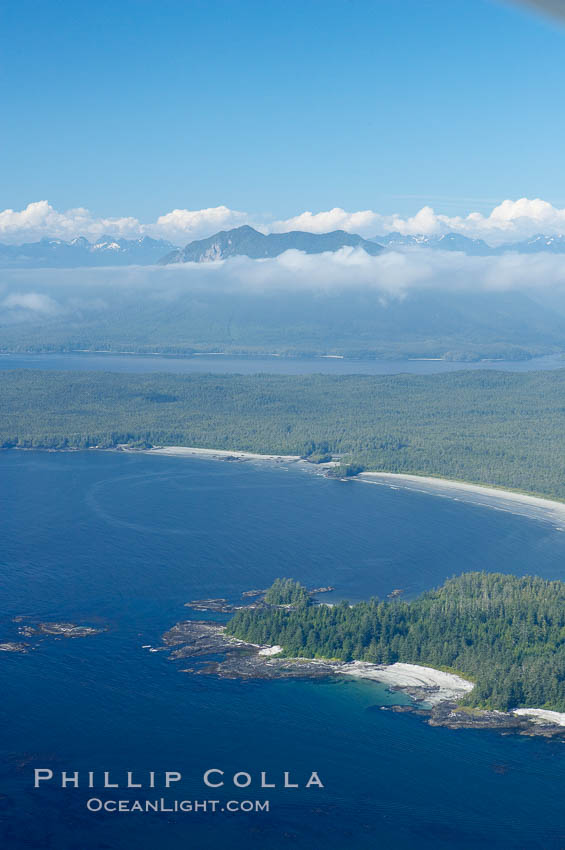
x=472 y=247
x=246 y=241
x=249 y=242
x=106 y=251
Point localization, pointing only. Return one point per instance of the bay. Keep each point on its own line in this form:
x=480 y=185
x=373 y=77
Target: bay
x=125 y=540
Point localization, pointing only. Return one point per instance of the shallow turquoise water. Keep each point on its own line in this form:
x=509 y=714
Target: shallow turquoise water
x=126 y=540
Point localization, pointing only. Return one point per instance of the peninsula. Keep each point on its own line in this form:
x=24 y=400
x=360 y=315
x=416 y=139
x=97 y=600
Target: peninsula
x=482 y=651
x=507 y=634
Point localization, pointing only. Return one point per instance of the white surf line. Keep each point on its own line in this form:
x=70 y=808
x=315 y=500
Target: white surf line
x=534 y=507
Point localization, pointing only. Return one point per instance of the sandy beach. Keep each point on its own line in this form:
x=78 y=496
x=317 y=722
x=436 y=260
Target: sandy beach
x=444 y=686
x=271 y=650
x=534 y=507
x=542 y=715
x=217 y=454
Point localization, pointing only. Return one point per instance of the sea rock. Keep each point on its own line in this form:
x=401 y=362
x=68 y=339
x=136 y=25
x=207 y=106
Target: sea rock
x=69 y=630
x=221 y=606
x=254 y=666
x=14 y=646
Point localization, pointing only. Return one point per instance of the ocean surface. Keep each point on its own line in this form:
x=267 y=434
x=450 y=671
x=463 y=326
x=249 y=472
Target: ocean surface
x=272 y=365
x=125 y=540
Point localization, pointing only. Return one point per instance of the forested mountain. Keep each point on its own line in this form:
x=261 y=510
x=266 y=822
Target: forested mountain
x=496 y=428
x=172 y=317
x=507 y=633
x=248 y=242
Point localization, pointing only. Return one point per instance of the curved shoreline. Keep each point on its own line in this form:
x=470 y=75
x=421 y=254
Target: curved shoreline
x=483 y=495
x=435 y=686
x=434 y=694
x=498 y=498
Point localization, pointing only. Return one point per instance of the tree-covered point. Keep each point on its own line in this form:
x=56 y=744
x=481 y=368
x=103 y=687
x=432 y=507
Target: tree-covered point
x=504 y=632
x=286 y=591
x=497 y=428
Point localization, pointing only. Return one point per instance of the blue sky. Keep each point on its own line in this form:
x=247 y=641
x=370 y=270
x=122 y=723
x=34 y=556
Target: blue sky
x=137 y=108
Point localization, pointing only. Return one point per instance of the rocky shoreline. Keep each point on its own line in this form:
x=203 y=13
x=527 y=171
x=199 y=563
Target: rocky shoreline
x=217 y=653
x=454 y=716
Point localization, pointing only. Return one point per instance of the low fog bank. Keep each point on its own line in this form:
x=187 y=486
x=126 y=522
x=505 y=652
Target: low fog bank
x=391 y=274
x=342 y=301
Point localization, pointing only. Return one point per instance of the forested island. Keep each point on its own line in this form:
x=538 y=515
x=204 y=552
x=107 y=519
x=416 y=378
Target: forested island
x=505 y=633
x=497 y=428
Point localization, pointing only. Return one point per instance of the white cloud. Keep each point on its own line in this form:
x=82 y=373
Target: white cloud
x=22 y=306
x=30 y=301
x=336 y=219
x=180 y=226
x=509 y=221
x=389 y=275
x=40 y=220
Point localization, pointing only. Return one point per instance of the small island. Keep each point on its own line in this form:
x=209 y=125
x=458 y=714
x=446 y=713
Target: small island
x=41 y=631
x=14 y=646
x=67 y=630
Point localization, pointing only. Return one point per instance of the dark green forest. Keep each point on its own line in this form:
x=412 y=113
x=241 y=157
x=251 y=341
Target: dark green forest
x=286 y=591
x=496 y=428
x=505 y=633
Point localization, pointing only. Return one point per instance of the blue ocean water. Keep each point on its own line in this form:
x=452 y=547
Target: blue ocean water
x=126 y=540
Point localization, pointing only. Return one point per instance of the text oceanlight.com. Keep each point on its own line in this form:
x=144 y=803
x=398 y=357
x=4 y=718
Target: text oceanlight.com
x=95 y=804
